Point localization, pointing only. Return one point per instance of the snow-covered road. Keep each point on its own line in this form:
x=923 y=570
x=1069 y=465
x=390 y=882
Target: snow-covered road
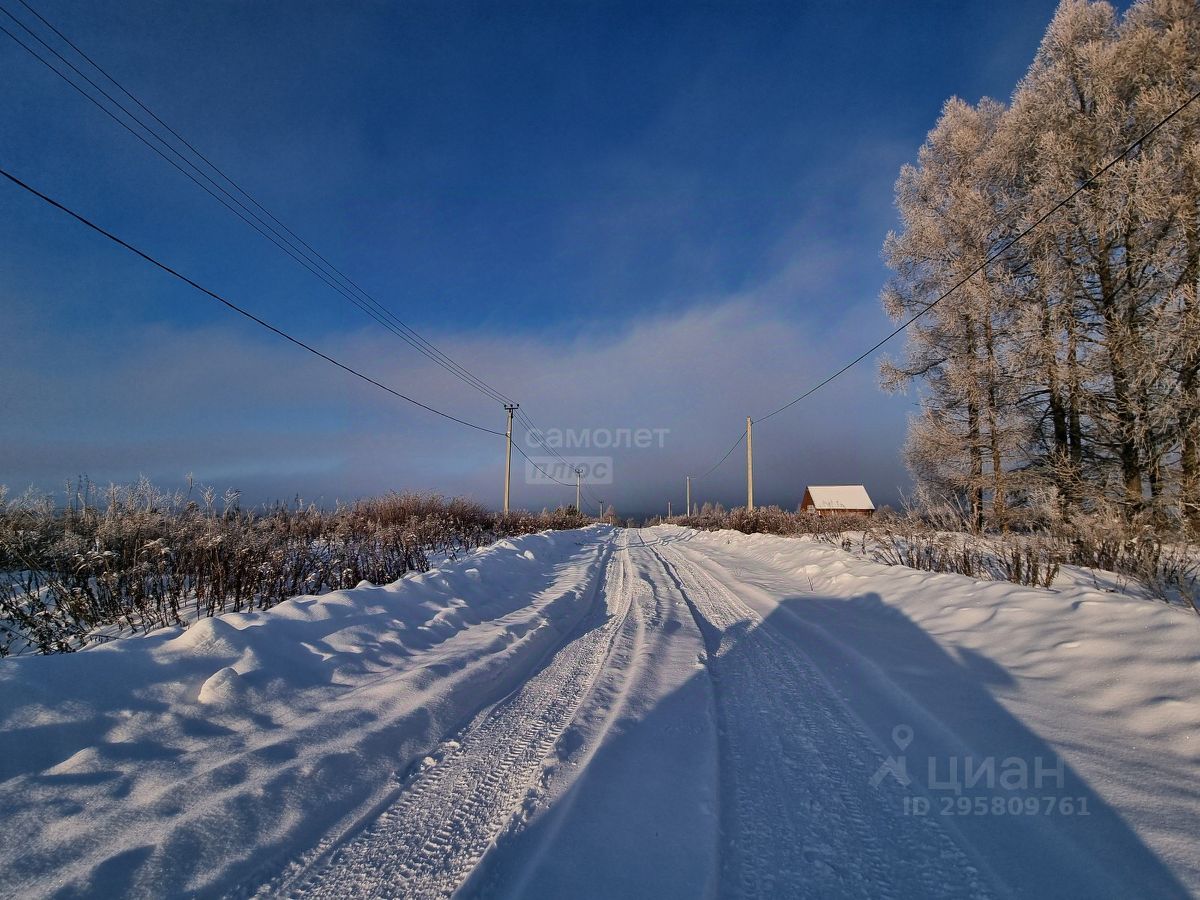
x=625 y=713
x=696 y=738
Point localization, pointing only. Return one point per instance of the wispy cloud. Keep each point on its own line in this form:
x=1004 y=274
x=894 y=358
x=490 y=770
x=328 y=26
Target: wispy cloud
x=242 y=410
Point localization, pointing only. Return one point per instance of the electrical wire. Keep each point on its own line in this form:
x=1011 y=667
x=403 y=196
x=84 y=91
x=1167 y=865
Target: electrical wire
x=295 y=245
x=267 y=325
x=234 y=307
x=529 y=459
x=282 y=236
x=226 y=203
x=535 y=433
x=291 y=246
x=728 y=453
x=583 y=487
x=1091 y=179
x=987 y=260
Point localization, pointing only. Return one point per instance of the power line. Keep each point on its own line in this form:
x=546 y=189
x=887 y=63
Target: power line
x=533 y=432
x=292 y=247
x=989 y=259
x=282 y=236
x=1091 y=179
x=233 y=306
x=529 y=459
x=257 y=227
x=536 y=433
x=963 y=281
x=267 y=325
x=728 y=453
x=295 y=245
x=410 y=335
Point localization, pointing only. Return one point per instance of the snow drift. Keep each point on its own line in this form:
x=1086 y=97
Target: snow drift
x=682 y=710
x=187 y=762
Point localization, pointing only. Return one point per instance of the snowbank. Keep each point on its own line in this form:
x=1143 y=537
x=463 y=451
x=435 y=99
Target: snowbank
x=1108 y=680
x=189 y=762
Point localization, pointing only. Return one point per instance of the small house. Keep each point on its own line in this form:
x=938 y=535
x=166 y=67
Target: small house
x=837 y=499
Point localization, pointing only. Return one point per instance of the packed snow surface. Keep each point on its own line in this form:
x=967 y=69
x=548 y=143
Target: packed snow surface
x=609 y=712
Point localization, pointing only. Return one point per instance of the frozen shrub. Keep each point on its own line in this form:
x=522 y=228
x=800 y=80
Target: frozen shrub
x=133 y=558
x=942 y=537
x=772 y=520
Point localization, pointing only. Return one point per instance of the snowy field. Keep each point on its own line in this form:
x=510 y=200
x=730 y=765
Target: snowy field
x=620 y=713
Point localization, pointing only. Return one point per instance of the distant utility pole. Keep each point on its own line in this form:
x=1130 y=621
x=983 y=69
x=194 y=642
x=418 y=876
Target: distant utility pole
x=668 y=509
x=749 y=464
x=688 y=511
x=578 y=508
x=600 y=507
x=508 y=454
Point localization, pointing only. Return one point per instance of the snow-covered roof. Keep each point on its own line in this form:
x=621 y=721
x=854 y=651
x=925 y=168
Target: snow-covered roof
x=839 y=496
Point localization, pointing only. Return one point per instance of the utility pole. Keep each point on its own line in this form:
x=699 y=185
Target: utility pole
x=668 y=509
x=600 y=507
x=578 y=508
x=688 y=511
x=510 y=409
x=749 y=464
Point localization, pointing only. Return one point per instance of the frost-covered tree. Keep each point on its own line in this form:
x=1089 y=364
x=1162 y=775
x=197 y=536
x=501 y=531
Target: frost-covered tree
x=1170 y=32
x=1073 y=360
x=952 y=204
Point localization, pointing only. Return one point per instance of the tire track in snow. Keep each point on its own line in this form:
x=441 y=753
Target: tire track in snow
x=630 y=806
x=448 y=814
x=799 y=815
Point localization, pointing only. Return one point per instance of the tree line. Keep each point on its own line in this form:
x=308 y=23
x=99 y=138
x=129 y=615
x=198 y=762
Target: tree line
x=1065 y=376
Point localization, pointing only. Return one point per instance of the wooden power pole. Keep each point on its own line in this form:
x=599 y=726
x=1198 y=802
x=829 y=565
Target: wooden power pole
x=749 y=465
x=508 y=455
x=578 y=508
x=688 y=511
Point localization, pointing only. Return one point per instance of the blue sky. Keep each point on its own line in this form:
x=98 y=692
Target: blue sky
x=658 y=215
